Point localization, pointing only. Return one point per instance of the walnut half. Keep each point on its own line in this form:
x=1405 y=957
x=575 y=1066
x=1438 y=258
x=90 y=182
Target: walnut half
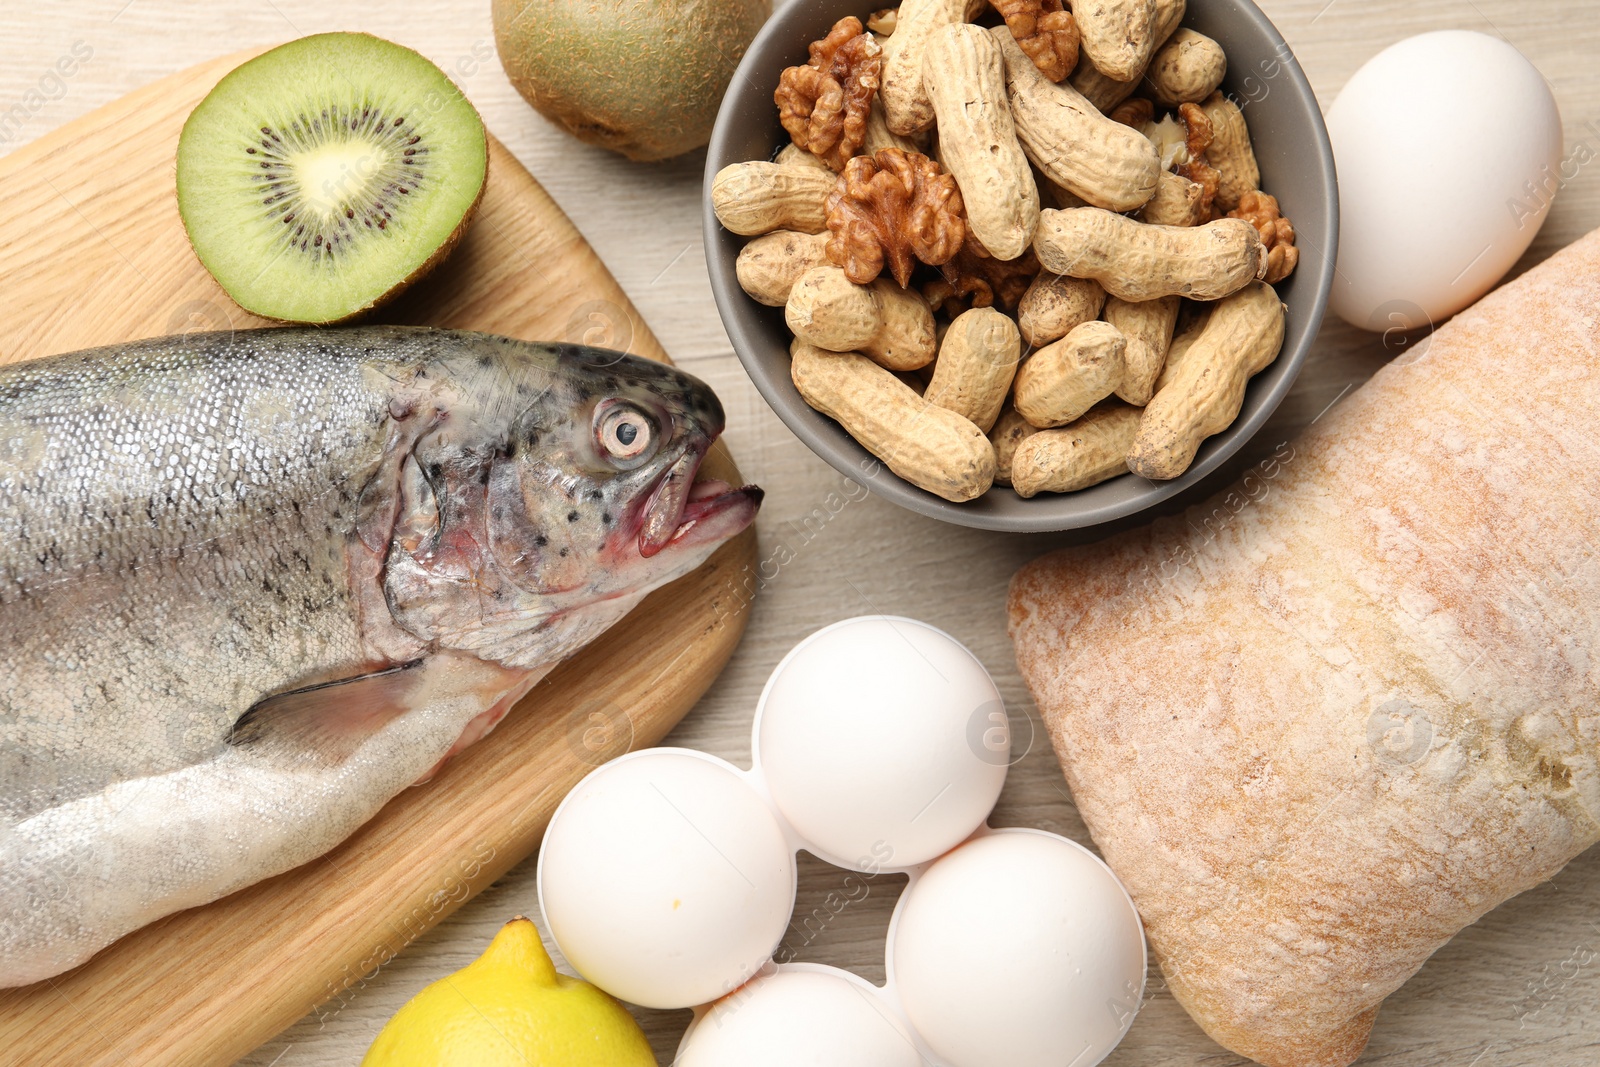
x=973 y=278
x=1045 y=32
x=896 y=207
x=1277 y=233
x=1198 y=169
x=824 y=104
x=1135 y=111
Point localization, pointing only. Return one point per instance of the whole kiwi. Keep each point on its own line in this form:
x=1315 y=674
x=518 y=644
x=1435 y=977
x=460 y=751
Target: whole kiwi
x=640 y=77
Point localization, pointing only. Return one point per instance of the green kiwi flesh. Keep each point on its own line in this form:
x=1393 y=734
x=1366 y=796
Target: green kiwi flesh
x=324 y=176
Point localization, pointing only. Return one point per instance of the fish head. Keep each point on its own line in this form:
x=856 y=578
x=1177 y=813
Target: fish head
x=551 y=496
x=599 y=489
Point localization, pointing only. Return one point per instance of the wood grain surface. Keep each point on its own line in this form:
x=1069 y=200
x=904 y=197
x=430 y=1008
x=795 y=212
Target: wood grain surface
x=88 y=259
x=1521 y=987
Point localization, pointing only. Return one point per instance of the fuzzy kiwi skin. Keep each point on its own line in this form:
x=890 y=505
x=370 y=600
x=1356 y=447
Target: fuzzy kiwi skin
x=640 y=77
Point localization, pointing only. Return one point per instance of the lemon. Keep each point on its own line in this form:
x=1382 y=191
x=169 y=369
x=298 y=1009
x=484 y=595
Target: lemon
x=509 y=1008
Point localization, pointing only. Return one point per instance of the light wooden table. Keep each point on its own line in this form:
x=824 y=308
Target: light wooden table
x=1518 y=988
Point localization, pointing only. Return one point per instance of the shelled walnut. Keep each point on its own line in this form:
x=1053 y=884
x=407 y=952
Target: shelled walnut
x=1134 y=111
x=824 y=104
x=1045 y=31
x=1277 y=233
x=884 y=21
x=894 y=209
x=975 y=279
x=1197 y=129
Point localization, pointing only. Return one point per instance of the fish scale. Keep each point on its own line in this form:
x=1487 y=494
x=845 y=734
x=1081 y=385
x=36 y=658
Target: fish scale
x=95 y=526
x=363 y=543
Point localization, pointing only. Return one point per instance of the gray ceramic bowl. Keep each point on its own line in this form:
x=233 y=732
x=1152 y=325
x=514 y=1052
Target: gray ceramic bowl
x=1291 y=145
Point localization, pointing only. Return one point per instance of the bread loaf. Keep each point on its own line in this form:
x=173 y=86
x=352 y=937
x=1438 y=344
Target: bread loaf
x=1324 y=721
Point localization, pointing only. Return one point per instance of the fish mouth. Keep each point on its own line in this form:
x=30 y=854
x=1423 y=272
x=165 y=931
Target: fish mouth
x=684 y=511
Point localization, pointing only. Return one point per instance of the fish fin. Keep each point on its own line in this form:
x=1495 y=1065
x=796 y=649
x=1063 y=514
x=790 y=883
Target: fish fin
x=329 y=721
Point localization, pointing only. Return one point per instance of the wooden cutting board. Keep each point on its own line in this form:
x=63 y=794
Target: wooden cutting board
x=93 y=253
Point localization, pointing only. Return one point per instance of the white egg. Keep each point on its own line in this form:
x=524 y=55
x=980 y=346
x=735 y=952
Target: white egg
x=800 y=1016
x=1022 y=948
x=665 y=878
x=883 y=742
x=1448 y=147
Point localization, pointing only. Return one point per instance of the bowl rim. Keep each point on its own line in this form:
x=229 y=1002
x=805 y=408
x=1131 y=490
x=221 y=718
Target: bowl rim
x=855 y=462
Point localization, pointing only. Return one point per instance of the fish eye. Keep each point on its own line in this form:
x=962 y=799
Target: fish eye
x=626 y=434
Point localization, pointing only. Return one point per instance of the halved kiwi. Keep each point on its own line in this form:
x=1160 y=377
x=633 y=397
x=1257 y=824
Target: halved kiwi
x=321 y=178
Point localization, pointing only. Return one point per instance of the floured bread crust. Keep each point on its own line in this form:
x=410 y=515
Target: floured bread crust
x=1321 y=723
